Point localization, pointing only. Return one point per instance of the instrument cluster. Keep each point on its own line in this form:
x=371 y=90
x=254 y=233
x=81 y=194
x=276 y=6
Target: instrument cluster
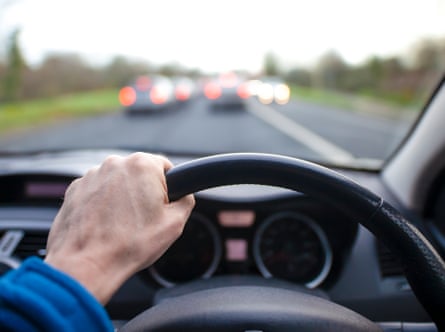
x=298 y=240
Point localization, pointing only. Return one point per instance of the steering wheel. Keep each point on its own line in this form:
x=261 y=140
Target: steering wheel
x=253 y=308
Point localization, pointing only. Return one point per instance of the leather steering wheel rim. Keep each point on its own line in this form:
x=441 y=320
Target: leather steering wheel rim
x=423 y=267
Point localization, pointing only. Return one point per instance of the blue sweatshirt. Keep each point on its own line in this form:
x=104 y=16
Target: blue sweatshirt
x=37 y=297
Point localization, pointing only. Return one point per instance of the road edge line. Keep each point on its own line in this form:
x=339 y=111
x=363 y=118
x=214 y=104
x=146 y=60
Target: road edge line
x=300 y=134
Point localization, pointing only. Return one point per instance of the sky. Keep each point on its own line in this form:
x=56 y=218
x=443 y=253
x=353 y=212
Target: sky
x=223 y=34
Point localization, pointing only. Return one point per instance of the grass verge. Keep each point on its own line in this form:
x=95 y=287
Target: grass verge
x=19 y=115
x=355 y=102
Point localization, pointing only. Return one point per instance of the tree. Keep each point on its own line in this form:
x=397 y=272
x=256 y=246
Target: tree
x=121 y=71
x=15 y=65
x=194 y=73
x=368 y=76
x=299 y=76
x=330 y=71
x=428 y=55
x=63 y=73
x=270 y=65
x=170 y=69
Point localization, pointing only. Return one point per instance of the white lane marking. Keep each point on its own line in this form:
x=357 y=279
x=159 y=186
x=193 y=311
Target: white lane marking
x=300 y=134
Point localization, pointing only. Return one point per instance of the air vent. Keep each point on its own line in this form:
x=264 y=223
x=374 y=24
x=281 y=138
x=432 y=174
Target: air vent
x=389 y=264
x=32 y=244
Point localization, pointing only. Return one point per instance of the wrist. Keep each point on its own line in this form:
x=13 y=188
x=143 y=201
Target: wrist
x=100 y=281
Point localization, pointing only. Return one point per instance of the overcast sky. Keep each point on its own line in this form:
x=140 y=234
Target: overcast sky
x=222 y=34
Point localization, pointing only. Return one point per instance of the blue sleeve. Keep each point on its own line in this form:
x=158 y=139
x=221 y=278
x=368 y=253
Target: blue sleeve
x=37 y=297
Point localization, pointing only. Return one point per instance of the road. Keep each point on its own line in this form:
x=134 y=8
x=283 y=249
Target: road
x=298 y=129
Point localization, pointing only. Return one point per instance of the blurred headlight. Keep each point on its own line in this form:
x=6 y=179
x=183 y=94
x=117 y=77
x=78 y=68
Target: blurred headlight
x=282 y=94
x=254 y=86
x=265 y=93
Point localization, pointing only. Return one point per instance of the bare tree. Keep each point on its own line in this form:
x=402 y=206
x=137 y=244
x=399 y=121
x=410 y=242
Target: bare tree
x=271 y=65
x=330 y=70
x=12 y=79
x=428 y=55
x=121 y=70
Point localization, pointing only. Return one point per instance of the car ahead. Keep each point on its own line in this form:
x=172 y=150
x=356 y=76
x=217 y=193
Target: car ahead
x=185 y=89
x=228 y=90
x=147 y=94
x=273 y=90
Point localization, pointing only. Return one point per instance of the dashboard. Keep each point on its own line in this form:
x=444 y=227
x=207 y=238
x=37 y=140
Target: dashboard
x=288 y=238
x=244 y=233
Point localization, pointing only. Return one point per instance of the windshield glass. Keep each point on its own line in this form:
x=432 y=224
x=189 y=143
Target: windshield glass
x=339 y=82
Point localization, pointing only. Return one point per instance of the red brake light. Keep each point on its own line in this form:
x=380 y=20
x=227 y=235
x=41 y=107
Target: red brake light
x=127 y=96
x=243 y=91
x=182 y=93
x=212 y=91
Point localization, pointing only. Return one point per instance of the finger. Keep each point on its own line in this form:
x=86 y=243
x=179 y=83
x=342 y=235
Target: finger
x=166 y=163
x=183 y=206
x=72 y=186
x=93 y=170
x=145 y=161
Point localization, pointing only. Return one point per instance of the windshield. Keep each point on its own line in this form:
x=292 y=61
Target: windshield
x=339 y=82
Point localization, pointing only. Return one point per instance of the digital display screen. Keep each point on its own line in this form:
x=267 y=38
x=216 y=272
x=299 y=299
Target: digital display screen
x=236 y=218
x=45 y=189
x=236 y=250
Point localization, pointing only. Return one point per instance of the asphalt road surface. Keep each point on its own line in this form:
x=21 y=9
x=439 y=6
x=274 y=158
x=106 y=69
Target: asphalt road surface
x=297 y=129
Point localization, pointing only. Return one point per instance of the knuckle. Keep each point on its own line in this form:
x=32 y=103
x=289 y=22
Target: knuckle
x=72 y=187
x=111 y=160
x=138 y=157
x=143 y=162
x=164 y=160
x=91 y=171
x=139 y=154
x=75 y=182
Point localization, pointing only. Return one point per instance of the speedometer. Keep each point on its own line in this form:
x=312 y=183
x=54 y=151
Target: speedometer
x=292 y=246
x=195 y=254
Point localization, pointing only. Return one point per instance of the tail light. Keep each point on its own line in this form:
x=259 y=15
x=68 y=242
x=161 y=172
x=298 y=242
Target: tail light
x=212 y=91
x=127 y=96
x=243 y=91
x=182 y=93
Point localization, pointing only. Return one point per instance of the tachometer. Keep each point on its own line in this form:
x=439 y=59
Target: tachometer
x=195 y=254
x=293 y=247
